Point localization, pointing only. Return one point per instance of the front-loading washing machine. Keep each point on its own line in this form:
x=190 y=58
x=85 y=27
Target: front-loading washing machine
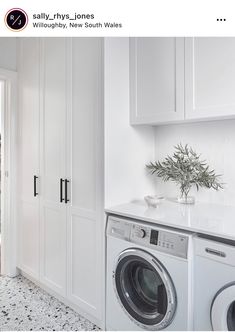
x=214 y=295
x=149 y=277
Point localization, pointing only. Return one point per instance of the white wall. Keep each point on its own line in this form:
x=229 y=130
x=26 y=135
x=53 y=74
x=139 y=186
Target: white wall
x=8 y=53
x=215 y=141
x=127 y=149
x=1 y=107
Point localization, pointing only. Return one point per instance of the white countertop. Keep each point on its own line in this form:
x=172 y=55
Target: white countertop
x=204 y=218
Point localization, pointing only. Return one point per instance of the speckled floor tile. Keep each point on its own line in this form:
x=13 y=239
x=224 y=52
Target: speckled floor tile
x=26 y=307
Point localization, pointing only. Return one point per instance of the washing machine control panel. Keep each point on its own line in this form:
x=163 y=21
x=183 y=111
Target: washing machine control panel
x=154 y=237
x=162 y=240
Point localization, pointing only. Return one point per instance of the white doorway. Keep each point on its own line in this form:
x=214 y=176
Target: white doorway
x=8 y=157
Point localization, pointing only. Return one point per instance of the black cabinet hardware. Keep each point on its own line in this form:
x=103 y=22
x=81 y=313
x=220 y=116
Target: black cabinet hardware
x=61 y=190
x=35 y=185
x=66 y=191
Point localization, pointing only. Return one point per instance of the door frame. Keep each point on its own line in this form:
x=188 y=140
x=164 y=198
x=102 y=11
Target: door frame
x=8 y=171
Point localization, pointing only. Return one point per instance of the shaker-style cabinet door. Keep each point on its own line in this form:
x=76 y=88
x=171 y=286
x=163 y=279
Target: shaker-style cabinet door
x=84 y=139
x=156 y=80
x=29 y=95
x=209 y=77
x=53 y=161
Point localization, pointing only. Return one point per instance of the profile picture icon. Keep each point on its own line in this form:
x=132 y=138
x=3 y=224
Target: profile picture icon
x=16 y=19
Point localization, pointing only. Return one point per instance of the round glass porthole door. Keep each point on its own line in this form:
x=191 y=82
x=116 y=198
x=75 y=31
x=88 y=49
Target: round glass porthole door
x=223 y=309
x=144 y=289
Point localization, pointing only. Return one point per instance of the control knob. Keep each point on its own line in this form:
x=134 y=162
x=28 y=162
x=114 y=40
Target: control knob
x=142 y=233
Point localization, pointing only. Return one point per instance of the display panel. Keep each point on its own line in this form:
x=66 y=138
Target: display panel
x=154 y=237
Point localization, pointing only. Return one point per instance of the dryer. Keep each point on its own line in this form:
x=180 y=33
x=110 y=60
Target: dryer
x=148 y=277
x=214 y=291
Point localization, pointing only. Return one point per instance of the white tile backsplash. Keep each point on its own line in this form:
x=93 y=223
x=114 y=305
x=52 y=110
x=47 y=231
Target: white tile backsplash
x=215 y=141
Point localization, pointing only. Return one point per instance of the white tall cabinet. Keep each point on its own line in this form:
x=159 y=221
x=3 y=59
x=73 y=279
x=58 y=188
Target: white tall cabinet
x=53 y=162
x=85 y=174
x=29 y=100
x=62 y=123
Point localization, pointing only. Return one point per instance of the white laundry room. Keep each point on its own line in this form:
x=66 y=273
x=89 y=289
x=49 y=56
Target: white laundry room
x=117 y=183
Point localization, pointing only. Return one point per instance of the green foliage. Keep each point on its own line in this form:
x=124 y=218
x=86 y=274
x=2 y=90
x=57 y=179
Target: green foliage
x=186 y=169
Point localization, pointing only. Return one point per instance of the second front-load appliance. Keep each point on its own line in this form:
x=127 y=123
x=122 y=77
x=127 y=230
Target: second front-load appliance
x=148 y=281
x=214 y=285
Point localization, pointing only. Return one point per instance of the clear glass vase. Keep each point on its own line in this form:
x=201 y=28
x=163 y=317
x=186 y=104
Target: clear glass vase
x=186 y=199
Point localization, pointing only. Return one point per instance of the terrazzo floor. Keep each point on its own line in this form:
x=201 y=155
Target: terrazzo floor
x=26 y=307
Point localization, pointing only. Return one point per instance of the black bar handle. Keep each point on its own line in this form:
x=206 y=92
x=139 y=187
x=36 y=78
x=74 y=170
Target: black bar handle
x=66 y=191
x=61 y=190
x=35 y=185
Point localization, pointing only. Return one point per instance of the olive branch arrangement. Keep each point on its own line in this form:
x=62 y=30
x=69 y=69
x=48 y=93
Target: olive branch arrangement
x=186 y=169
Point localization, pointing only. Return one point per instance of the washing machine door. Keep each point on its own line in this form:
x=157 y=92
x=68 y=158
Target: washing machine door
x=144 y=289
x=223 y=309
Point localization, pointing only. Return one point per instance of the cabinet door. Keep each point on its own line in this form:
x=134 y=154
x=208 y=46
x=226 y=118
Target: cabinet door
x=209 y=77
x=53 y=127
x=28 y=229
x=156 y=80
x=85 y=174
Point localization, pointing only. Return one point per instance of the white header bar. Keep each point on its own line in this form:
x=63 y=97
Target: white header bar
x=120 y=18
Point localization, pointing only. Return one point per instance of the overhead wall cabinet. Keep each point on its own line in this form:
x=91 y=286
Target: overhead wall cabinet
x=61 y=143
x=209 y=77
x=156 y=80
x=181 y=79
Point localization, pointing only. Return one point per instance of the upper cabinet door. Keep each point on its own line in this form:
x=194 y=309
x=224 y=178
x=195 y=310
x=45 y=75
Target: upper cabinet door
x=29 y=96
x=209 y=77
x=156 y=80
